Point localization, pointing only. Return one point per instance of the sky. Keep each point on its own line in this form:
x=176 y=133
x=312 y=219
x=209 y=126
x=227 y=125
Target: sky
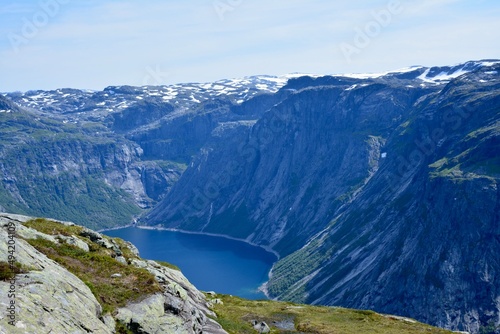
x=92 y=44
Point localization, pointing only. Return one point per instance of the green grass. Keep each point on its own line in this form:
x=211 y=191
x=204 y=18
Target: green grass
x=170 y=164
x=482 y=131
x=168 y=265
x=53 y=228
x=235 y=315
x=439 y=164
x=291 y=269
x=121 y=328
x=444 y=171
x=8 y=272
x=95 y=268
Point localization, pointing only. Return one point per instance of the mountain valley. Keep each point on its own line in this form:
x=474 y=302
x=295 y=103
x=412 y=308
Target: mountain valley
x=378 y=191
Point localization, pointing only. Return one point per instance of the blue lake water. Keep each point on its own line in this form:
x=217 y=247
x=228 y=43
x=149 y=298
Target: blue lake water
x=210 y=263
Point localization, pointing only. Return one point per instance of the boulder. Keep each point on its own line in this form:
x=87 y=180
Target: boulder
x=216 y=301
x=92 y=235
x=48 y=298
x=261 y=326
x=121 y=259
x=75 y=241
x=132 y=248
x=149 y=316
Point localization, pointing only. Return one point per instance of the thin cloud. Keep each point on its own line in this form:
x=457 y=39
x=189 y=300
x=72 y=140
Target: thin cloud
x=426 y=7
x=94 y=44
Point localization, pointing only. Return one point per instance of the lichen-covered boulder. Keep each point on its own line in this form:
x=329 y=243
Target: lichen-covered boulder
x=75 y=241
x=149 y=316
x=48 y=298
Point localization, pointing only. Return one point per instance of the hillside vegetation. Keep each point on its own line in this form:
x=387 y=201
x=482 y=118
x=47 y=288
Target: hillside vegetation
x=236 y=316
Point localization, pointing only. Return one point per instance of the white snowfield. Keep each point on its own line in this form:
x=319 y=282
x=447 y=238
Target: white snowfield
x=74 y=106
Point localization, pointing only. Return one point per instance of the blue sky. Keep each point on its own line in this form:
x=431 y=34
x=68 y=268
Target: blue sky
x=92 y=44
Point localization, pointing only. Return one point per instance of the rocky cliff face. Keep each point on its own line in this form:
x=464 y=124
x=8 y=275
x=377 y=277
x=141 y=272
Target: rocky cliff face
x=391 y=187
x=58 y=169
x=48 y=297
x=109 y=155
x=298 y=165
x=424 y=231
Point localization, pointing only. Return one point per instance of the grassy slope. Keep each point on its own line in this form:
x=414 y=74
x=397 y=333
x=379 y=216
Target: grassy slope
x=95 y=268
x=236 y=314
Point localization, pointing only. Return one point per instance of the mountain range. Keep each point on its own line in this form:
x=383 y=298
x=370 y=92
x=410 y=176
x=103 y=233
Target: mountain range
x=378 y=191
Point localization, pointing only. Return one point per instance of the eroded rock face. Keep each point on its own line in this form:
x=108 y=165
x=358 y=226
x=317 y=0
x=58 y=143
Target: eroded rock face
x=181 y=308
x=421 y=238
x=48 y=298
x=378 y=195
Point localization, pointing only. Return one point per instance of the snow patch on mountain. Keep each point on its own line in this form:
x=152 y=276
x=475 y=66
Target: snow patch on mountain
x=381 y=74
x=79 y=105
x=439 y=75
x=75 y=105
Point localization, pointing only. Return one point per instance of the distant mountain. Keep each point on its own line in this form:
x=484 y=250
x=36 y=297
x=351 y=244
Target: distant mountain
x=73 y=105
x=102 y=157
x=379 y=191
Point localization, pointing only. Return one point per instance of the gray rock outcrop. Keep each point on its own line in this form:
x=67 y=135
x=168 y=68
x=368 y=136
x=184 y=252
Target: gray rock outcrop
x=261 y=327
x=181 y=308
x=47 y=297
x=50 y=299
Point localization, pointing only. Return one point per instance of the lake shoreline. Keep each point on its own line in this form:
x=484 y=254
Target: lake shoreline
x=262 y=288
x=155 y=228
x=267 y=249
x=115 y=228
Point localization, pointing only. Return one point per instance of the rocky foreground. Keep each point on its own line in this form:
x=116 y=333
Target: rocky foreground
x=50 y=299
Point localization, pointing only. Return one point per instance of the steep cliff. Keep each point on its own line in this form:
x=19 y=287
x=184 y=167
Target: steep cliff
x=295 y=167
x=57 y=169
x=380 y=194
x=422 y=236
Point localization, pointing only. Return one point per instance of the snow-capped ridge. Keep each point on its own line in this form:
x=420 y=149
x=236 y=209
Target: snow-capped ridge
x=434 y=75
x=380 y=74
x=74 y=105
x=443 y=74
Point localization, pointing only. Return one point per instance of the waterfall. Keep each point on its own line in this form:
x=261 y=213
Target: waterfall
x=209 y=216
